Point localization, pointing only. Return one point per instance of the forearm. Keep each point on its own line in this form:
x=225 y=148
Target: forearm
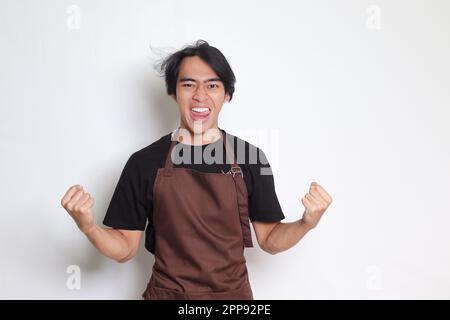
x=285 y=235
x=110 y=242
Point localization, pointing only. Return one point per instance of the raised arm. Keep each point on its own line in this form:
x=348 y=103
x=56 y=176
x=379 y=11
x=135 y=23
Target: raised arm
x=275 y=237
x=120 y=245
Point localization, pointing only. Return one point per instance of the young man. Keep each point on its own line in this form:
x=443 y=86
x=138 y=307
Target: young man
x=197 y=187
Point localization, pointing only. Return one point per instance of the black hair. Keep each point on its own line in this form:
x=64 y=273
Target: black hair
x=170 y=67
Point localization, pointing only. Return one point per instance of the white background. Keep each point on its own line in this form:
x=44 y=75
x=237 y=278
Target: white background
x=330 y=90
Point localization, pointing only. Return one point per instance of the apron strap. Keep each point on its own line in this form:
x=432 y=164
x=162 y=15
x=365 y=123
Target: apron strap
x=168 y=165
x=242 y=195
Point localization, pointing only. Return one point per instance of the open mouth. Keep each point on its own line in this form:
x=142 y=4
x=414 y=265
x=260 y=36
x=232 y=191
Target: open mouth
x=200 y=113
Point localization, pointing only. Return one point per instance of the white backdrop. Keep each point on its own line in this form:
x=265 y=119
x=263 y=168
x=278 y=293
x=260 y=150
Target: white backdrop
x=353 y=94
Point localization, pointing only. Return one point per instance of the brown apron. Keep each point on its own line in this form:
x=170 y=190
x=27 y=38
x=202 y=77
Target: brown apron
x=201 y=228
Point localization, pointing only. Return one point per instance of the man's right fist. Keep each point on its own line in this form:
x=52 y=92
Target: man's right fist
x=78 y=204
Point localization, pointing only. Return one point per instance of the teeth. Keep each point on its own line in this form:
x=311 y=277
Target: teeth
x=200 y=110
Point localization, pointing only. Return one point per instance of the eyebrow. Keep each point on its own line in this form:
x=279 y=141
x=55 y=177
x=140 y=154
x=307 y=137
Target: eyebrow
x=185 y=79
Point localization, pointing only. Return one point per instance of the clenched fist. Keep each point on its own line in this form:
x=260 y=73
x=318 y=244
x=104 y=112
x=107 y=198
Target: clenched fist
x=78 y=204
x=315 y=202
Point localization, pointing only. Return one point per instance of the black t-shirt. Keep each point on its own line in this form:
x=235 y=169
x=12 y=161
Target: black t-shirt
x=131 y=206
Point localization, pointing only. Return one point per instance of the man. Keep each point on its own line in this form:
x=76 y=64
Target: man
x=197 y=207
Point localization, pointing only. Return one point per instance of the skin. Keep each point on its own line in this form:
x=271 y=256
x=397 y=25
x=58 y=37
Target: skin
x=197 y=85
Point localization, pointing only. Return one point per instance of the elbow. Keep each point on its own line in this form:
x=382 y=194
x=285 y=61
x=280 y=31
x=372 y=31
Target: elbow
x=125 y=259
x=271 y=252
x=122 y=260
x=128 y=257
x=269 y=248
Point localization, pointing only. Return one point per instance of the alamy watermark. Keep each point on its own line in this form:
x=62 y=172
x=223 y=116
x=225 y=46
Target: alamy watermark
x=73 y=281
x=73 y=21
x=373 y=18
x=214 y=152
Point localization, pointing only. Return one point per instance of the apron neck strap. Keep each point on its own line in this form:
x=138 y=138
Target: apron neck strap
x=169 y=163
x=229 y=150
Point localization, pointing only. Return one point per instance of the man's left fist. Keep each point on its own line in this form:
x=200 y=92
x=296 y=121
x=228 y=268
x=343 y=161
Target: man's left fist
x=315 y=203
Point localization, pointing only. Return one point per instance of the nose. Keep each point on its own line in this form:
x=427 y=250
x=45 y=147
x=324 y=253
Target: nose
x=200 y=94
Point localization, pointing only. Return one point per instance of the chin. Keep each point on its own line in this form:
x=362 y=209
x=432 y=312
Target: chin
x=202 y=126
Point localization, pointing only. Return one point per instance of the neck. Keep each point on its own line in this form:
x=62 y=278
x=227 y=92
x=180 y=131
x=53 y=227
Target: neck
x=186 y=136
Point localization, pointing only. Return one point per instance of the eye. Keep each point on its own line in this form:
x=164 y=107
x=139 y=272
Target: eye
x=213 y=86
x=187 y=85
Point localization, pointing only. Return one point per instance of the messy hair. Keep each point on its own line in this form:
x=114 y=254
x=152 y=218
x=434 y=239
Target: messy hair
x=170 y=66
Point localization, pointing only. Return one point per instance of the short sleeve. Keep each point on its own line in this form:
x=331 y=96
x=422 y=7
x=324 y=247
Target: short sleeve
x=263 y=201
x=129 y=207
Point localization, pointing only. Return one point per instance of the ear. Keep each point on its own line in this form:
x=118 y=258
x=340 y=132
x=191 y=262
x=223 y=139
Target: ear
x=227 y=97
x=174 y=97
